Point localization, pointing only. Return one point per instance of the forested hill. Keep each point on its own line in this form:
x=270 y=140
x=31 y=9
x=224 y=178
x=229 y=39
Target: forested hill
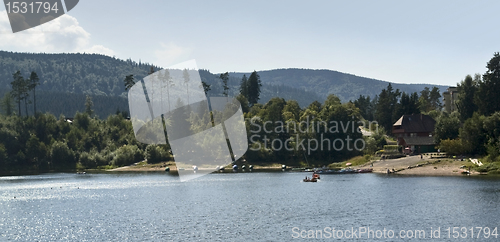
x=99 y=75
x=102 y=77
x=323 y=82
x=72 y=73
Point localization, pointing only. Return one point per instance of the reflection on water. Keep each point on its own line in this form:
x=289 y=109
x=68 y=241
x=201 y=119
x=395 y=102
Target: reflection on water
x=242 y=206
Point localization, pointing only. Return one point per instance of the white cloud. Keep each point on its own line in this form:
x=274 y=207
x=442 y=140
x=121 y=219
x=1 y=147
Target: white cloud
x=171 y=53
x=63 y=34
x=99 y=49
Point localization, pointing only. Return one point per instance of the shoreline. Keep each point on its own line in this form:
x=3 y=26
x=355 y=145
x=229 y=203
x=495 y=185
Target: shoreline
x=411 y=166
x=428 y=167
x=173 y=168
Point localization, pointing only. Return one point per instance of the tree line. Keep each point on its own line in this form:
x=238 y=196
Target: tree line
x=388 y=106
x=44 y=142
x=20 y=92
x=475 y=127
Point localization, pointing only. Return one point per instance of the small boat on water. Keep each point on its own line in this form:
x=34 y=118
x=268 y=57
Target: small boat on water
x=307 y=179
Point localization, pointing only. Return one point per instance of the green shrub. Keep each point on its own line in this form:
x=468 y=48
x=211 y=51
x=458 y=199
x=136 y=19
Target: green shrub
x=126 y=155
x=452 y=146
x=102 y=159
x=87 y=160
x=61 y=155
x=153 y=154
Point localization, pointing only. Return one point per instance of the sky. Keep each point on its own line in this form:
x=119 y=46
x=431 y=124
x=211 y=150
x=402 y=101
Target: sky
x=436 y=42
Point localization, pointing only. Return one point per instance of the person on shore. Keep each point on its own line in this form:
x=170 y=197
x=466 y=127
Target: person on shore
x=421 y=156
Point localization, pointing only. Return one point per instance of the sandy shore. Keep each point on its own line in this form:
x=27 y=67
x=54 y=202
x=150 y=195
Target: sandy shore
x=147 y=167
x=411 y=165
x=173 y=168
x=425 y=166
x=452 y=169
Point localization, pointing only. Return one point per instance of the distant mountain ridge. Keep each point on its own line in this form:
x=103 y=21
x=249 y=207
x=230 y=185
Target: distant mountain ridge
x=98 y=75
x=324 y=82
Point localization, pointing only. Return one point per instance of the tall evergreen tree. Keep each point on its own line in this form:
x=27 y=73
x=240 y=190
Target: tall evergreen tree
x=487 y=99
x=7 y=105
x=466 y=91
x=424 y=100
x=225 y=77
x=19 y=89
x=167 y=82
x=254 y=85
x=26 y=94
x=244 y=86
x=129 y=82
x=408 y=104
x=435 y=99
x=185 y=75
x=206 y=87
x=385 y=111
x=365 y=107
x=34 y=81
x=88 y=106
x=383 y=114
x=414 y=103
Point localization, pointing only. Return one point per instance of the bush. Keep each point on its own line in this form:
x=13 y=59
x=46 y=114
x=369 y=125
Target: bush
x=371 y=146
x=493 y=167
x=62 y=156
x=103 y=158
x=153 y=154
x=452 y=146
x=87 y=160
x=126 y=155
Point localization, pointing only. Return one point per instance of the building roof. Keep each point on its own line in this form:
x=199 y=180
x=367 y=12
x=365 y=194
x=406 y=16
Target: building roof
x=415 y=123
x=419 y=140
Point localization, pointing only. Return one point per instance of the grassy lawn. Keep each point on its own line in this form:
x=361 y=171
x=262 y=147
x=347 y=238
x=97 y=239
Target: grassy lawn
x=355 y=161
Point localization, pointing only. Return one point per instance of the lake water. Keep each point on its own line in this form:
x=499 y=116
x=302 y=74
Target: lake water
x=242 y=207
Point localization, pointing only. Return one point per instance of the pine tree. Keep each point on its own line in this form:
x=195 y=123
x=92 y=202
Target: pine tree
x=19 y=89
x=244 y=86
x=435 y=99
x=129 y=82
x=424 y=100
x=35 y=81
x=487 y=99
x=88 y=106
x=386 y=108
x=27 y=88
x=7 y=105
x=206 y=87
x=365 y=107
x=225 y=78
x=466 y=91
x=185 y=75
x=253 y=88
x=167 y=79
